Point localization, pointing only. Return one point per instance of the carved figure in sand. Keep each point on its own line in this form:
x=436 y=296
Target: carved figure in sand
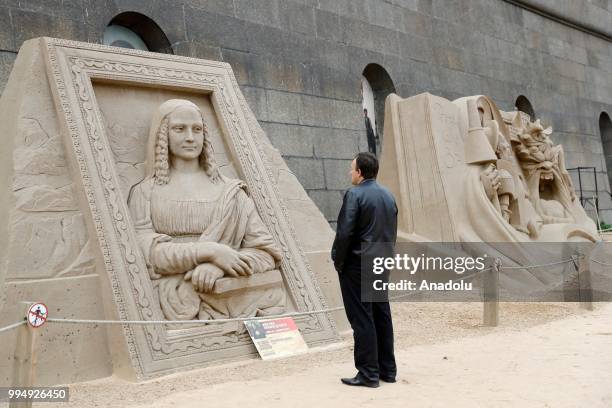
x=490 y=155
x=198 y=230
x=550 y=186
x=522 y=174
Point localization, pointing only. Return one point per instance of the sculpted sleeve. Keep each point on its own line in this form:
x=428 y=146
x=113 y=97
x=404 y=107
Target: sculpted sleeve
x=345 y=228
x=257 y=244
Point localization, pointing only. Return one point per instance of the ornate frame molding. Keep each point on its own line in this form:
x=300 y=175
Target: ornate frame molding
x=156 y=350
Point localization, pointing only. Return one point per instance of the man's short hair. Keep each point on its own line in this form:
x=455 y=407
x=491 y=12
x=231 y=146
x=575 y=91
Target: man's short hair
x=365 y=110
x=367 y=164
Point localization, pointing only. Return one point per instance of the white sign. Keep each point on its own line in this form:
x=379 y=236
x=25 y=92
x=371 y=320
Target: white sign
x=276 y=338
x=37 y=314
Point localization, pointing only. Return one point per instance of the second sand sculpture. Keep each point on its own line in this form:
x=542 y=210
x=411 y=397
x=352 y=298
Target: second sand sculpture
x=465 y=171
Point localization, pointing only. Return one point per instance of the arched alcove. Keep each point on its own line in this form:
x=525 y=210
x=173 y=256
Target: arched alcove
x=522 y=104
x=137 y=31
x=605 y=131
x=376 y=85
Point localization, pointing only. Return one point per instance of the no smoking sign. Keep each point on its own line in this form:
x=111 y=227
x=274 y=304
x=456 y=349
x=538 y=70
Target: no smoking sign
x=37 y=314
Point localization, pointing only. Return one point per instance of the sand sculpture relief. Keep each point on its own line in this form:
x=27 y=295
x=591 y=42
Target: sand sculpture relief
x=489 y=181
x=156 y=196
x=208 y=253
x=483 y=175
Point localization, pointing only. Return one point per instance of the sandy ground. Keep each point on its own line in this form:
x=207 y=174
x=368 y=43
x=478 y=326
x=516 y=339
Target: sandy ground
x=541 y=355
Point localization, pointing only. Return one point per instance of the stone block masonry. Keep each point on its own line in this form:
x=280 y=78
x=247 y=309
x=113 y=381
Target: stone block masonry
x=299 y=62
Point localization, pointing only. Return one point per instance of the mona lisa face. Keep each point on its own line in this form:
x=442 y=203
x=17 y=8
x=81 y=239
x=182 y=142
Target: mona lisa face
x=185 y=133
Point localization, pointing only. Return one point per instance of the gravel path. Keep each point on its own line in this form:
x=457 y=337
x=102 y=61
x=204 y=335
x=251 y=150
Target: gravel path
x=542 y=355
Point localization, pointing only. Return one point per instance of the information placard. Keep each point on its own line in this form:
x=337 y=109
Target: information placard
x=276 y=338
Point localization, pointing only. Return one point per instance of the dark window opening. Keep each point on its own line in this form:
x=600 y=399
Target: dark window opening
x=522 y=104
x=605 y=130
x=136 y=31
x=381 y=86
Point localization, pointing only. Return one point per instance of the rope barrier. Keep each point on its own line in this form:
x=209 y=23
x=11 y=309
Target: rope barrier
x=12 y=326
x=571 y=260
x=189 y=322
x=538 y=266
x=242 y=319
x=600 y=262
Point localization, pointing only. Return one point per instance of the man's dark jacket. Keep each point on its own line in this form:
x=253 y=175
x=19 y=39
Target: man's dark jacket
x=370 y=136
x=367 y=226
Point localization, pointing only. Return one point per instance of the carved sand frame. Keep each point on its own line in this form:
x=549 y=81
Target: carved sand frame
x=154 y=349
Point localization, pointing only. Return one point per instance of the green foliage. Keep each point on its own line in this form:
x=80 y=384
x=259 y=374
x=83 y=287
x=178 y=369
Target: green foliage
x=604 y=226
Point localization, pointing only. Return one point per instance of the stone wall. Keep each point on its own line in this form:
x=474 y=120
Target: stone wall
x=299 y=63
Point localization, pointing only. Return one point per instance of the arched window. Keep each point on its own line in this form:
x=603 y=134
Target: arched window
x=137 y=31
x=605 y=130
x=522 y=104
x=376 y=84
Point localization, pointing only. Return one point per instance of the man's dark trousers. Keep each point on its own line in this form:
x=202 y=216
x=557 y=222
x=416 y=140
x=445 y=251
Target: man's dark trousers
x=372 y=144
x=372 y=330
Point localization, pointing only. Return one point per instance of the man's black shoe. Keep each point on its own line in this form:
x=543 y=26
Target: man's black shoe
x=387 y=379
x=358 y=382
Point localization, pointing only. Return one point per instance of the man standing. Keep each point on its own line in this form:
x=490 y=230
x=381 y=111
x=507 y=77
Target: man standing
x=368 y=218
x=370 y=133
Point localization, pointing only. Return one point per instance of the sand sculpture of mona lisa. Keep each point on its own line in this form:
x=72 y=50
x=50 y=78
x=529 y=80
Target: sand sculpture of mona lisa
x=97 y=221
x=204 y=243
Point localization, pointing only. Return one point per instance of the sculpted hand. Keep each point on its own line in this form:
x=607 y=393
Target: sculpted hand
x=231 y=261
x=204 y=277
